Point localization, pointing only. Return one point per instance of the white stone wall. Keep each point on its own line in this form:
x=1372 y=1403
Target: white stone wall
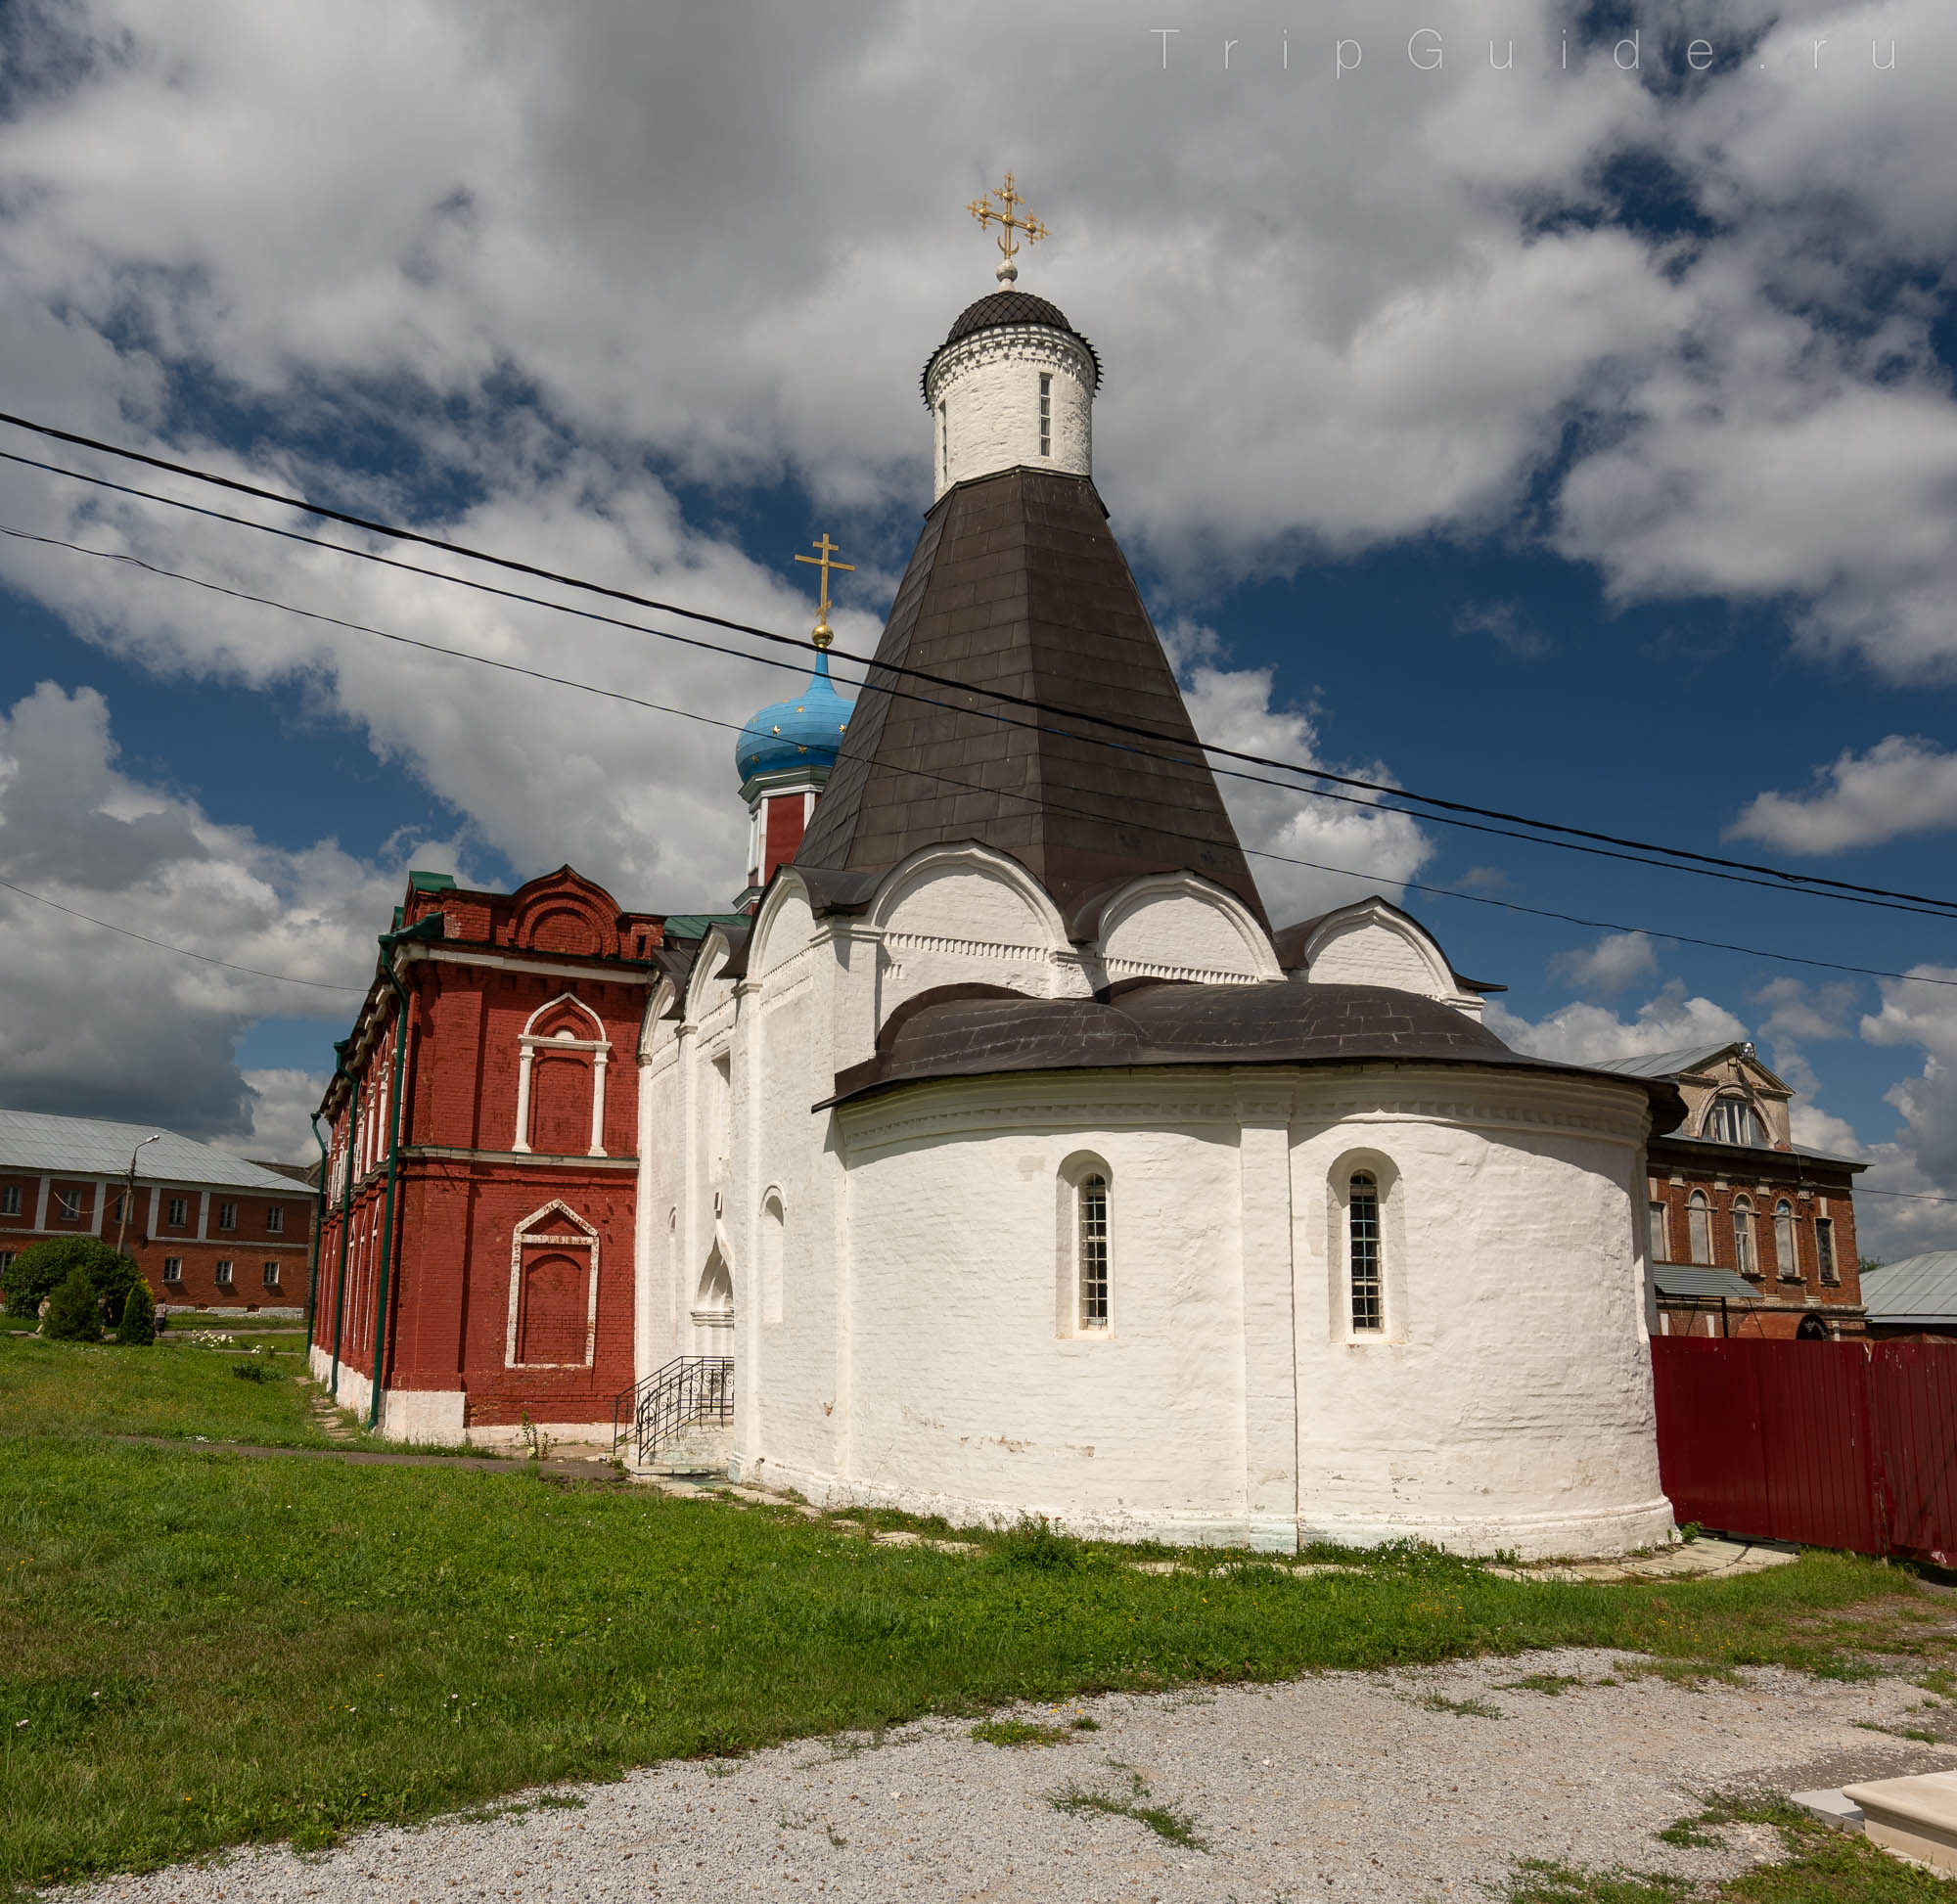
x=985 y=405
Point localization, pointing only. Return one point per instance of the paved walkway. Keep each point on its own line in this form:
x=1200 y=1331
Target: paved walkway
x=1388 y=1787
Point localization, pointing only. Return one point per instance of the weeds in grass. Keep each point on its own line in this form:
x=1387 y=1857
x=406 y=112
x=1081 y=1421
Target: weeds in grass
x=1938 y=1679
x=1034 y=1542
x=1084 y=1723
x=1555 y=1684
x=1175 y=1827
x=1697 y=1831
x=1464 y=1709
x=1019 y=1732
x=1917 y=1733
x=1537 y=1883
x=254 y=1372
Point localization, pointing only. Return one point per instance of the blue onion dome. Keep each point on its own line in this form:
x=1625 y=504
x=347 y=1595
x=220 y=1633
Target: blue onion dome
x=805 y=732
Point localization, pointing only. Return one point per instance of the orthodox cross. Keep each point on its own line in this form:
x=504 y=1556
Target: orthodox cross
x=823 y=634
x=1010 y=224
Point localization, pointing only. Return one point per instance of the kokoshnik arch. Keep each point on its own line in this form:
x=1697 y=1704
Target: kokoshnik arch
x=994 y=1154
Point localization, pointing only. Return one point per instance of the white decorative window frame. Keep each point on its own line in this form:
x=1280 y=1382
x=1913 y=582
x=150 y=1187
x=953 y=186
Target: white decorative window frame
x=529 y=1041
x=1069 y=1183
x=525 y=1236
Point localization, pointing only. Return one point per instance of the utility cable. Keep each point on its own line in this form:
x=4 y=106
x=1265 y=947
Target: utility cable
x=941 y=779
x=1839 y=890
x=370 y=526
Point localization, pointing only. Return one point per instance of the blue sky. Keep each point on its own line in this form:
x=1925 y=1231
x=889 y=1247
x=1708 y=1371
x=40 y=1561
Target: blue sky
x=1566 y=439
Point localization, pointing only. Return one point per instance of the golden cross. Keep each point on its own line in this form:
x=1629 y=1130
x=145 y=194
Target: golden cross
x=823 y=634
x=1007 y=218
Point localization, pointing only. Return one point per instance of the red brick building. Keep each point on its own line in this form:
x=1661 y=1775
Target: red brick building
x=478 y=1236
x=208 y=1230
x=1750 y=1235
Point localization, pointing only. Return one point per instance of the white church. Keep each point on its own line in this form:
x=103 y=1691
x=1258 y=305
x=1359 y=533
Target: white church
x=1019 y=1164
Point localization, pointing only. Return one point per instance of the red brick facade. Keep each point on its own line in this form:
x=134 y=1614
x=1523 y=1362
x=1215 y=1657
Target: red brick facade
x=199 y=1245
x=509 y=1290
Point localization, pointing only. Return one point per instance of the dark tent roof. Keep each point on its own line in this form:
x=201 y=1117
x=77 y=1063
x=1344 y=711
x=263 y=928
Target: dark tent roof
x=977 y=1032
x=1018 y=583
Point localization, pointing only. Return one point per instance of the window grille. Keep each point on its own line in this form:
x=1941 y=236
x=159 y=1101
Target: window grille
x=9 y=1200
x=1698 y=1224
x=70 y=1204
x=173 y=1269
x=1363 y=1230
x=275 y=1220
x=1093 y=1198
x=1046 y=414
x=179 y=1212
x=1824 y=1249
x=1743 y=1237
x=1787 y=1257
x=227 y=1217
x=223 y=1273
x=271 y=1275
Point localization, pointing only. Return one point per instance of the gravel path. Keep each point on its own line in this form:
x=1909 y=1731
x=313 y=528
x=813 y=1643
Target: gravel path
x=1346 y=1786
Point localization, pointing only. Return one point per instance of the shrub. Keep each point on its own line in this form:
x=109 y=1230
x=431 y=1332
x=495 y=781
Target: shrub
x=72 y=1312
x=42 y=1267
x=138 y=1327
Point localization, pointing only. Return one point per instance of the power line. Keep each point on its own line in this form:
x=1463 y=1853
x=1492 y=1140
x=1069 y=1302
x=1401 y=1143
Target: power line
x=182 y=951
x=941 y=779
x=1837 y=890
x=1768 y=873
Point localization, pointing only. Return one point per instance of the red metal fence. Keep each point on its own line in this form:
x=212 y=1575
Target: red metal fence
x=1831 y=1444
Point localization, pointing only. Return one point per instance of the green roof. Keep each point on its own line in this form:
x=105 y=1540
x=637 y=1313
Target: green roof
x=697 y=924
x=431 y=882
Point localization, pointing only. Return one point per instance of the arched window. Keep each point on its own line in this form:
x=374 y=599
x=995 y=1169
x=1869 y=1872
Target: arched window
x=1733 y=1120
x=560 y=1059
x=1744 y=1259
x=553 y=1317
x=1091 y=1250
x=774 y=1236
x=1698 y=1224
x=1787 y=1253
x=1365 y=1267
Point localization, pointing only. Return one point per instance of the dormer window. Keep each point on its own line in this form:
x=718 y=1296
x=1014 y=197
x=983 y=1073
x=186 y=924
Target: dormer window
x=1733 y=1120
x=1046 y=413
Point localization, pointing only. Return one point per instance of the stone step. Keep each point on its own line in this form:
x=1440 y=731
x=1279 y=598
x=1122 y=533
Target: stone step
x=706 y=1448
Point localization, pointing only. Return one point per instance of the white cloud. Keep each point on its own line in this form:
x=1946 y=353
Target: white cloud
x=100 y=1024
x=281 y=1103
x=1616 y=962
x=1374 y=849
x=1584 y=1033
x=1507 y=626
x=1901 y=785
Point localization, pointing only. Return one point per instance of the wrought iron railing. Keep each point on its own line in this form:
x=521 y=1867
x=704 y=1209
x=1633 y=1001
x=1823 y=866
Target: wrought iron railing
x=687 y=1390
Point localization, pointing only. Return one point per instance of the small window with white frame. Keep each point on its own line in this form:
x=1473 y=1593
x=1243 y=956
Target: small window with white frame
x=227 y=1217
x=275 y=1220
x=1698 y=1227
x=1364 y=1259
x=271 y=1275
x=173 y=1269
x=68 y=1206
x=1046 y=413
x=222 y=1274
x=179 y=1212
x=10 y=1199
x=6 y=1261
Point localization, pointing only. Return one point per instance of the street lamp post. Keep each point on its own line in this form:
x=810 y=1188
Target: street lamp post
x=129 y=1190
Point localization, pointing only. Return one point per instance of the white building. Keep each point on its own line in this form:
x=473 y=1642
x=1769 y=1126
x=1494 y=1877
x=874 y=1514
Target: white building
x=1021 y=1166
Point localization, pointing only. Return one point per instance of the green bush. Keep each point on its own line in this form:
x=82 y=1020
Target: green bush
x=73 y=1312
x=138 y=1325
x=43 y=1267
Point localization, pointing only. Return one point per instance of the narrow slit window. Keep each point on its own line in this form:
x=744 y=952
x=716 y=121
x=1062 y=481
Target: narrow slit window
x=1824 y=1249
x=1787 y=1255
x=1093 y=1200
x=944 y=448
x=1362 y=1219
x=1046 y=413
x=1661 y=1237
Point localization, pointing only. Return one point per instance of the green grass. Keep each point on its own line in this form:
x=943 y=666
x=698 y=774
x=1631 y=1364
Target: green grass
x=1462 y=1709
x=1177 y=1827
x=209 y=1649
x=1555 y=1684
x=1820 y=1866
x=170 y=1388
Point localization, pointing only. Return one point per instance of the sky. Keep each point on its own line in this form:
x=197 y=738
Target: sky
x=1541 y=405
